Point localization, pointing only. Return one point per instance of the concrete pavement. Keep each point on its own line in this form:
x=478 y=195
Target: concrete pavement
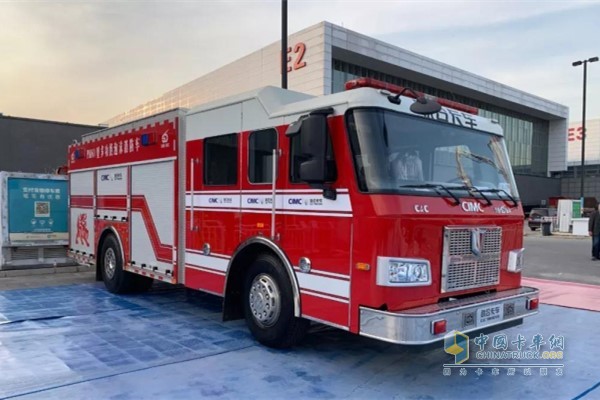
x=550 y=257
x=35 y=278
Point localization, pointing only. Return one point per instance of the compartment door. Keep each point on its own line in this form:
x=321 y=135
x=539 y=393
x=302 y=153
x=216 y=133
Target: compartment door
x=153 y=216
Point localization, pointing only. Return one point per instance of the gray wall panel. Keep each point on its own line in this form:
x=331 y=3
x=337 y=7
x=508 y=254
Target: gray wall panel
x=534 y=189
x=571 y=187
x=29 y=145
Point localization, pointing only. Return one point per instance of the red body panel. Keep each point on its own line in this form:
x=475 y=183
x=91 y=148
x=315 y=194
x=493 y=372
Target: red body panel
x=122 y=229
x=209 y=281
x=326 y=310
x=112 y=202
x=82 y=201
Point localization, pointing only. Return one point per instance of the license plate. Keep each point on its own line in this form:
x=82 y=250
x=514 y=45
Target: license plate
x=490 y=314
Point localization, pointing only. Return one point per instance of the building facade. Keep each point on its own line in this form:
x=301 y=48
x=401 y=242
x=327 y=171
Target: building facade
x=571 y=178
x=323 y=57
x=34 y=145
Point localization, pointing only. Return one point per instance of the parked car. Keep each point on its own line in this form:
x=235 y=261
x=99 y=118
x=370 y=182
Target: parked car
x=536 y=216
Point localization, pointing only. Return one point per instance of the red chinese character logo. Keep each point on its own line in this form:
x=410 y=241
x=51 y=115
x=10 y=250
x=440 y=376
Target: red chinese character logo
x=82 y=230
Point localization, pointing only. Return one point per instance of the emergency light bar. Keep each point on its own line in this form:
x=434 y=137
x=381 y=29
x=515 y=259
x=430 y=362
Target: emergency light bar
x=376 y=84
x=148 y=139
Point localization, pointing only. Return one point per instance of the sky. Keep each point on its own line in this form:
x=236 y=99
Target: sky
x=87 y=61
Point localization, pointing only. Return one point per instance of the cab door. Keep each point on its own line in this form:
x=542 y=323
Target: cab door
x=318 y=231
x=215 y=228
x=260 y=201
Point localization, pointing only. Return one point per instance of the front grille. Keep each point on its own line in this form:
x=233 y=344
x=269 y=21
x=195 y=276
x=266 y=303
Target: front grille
x=466 y=265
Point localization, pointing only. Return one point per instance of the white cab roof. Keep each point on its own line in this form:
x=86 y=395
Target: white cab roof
x=271 y=106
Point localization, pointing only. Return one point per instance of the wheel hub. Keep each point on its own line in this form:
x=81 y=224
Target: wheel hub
x=264 y=300
x=110 y=263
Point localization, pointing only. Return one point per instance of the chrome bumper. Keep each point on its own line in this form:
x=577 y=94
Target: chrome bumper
x=414 y=326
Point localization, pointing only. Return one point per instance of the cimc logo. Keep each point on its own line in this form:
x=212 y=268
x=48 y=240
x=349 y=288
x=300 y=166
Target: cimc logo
x=470 y=206
x=457 y=344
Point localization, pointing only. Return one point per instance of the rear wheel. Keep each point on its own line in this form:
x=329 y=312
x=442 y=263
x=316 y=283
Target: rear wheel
x=269 y=304
x=115 y=278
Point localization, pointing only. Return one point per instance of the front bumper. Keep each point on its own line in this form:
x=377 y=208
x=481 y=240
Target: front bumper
x=413 y=326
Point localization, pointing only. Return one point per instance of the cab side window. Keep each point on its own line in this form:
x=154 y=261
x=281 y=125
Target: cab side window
x=296 y=157
x=221 y=160
x=260 y=158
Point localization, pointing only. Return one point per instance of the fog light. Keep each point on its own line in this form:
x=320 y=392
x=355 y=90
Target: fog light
x=438 y=326
x=532 y=304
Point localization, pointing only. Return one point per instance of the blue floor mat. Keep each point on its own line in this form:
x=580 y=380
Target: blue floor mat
x=60 y=335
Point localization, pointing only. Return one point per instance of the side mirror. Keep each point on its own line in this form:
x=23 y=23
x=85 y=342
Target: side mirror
x=425 y=106
x=313 y=145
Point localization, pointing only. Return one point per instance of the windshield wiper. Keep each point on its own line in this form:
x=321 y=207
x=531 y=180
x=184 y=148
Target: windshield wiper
x=435 y=187
x=475 y=189
x=448 y=189
x=514 y=201
x=480 y=158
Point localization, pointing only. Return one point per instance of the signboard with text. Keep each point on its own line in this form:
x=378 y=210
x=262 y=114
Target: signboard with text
x=153 y=142
x=592 y=142
x=37 y=209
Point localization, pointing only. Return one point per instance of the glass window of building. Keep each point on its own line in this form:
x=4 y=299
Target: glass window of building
x=526 y=136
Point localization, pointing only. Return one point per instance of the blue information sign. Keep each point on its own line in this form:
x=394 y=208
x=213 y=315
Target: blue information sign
x=37 y=209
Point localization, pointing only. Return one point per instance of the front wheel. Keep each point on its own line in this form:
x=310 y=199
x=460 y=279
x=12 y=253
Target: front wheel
x=269 y=305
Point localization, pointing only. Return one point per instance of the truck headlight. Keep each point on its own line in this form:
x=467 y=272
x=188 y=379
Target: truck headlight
x=403 y=272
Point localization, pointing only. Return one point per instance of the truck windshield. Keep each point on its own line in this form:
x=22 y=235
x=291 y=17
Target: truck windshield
x=399 y=153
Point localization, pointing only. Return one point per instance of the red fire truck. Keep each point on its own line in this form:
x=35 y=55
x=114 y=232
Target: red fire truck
x=385 y=215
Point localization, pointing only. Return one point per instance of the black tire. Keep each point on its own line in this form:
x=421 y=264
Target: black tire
x=270 y=316
x=115 y=278
x=533 y=229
